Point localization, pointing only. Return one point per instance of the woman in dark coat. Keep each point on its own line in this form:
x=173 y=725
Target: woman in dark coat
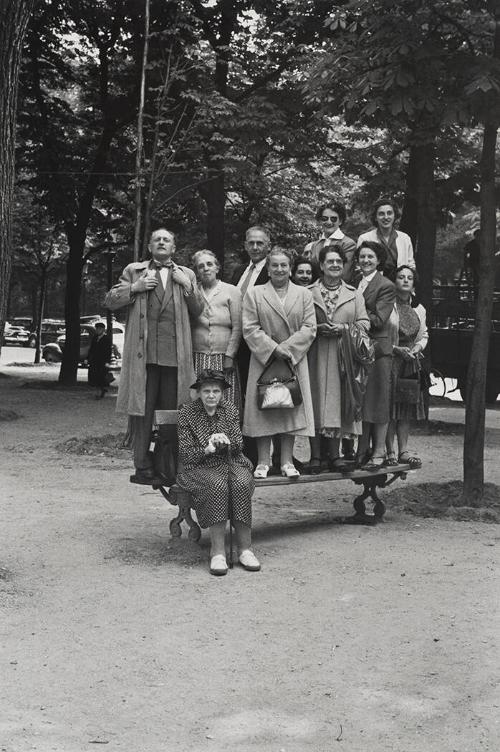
x=379 y=294
x=214 y=470
x=99 y=358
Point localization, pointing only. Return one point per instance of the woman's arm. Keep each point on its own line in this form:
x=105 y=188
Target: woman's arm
x=360 y=315
x=193 y=297
x=300 y=341
x=384 y=304
x=260 y=343
x=232 y=428
x=423 y=333
x=191 y=451
x=404 y=242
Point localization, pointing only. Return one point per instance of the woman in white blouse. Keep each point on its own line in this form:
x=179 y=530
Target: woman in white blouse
x=216 y=333
x=397 y=244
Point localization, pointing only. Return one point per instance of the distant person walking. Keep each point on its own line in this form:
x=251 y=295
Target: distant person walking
x=99 y=358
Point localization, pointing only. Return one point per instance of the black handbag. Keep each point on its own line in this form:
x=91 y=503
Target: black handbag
x=362 y=346
x=278 y=386
x=407 y=390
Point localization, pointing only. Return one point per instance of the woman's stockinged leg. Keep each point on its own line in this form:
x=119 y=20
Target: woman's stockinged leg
x=263 y=449
x=287 y=442
x=389 y=439
x=243 y=536
x=403 y=431
x=379 y=434
x=217 y=539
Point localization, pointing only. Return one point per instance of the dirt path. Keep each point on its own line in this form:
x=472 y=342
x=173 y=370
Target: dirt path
x=356 y=639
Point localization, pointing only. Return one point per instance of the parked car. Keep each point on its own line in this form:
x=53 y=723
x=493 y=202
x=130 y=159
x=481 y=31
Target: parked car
x=23 y=321
x=53 y=351
x=451 y=332
x=51 y=330
x=15 y=335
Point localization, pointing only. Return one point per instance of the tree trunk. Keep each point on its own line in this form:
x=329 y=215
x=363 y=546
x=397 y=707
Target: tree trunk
x=214 y=192
x=409 y=216
x=14 y=17
x=419 y=213
x=214 y=195
x=39 y=315
x=425 y=246
x=74 y=266
x=473 y=457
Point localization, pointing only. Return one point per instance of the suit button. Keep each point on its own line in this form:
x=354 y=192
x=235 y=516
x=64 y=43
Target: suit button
x=142 y=315
x=139 y=355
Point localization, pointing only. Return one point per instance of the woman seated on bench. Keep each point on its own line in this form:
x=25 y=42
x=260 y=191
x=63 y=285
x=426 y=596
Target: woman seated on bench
x=214 y=470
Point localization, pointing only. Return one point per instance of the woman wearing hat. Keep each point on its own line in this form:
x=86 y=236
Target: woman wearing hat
x=214 y=470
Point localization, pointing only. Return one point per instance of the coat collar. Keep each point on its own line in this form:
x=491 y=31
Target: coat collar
x=374 y=283
x=292 y=299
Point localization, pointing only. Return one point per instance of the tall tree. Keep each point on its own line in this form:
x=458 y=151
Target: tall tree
x=403 y=66
x=484 y=89
x=80 y=94
x=14 y=17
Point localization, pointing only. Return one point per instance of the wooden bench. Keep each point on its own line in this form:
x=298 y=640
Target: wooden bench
x=370 y=480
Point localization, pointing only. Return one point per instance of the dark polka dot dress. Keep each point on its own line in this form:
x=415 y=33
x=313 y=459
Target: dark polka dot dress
x=216 y=480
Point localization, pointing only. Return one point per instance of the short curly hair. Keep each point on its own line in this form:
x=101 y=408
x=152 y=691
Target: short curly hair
x=335 y=247
x=377 y=248
x=383 y=202
x=334 y=206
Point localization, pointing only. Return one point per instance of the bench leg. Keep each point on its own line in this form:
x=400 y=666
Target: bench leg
x=181 y=499
x=194 y=533
x=361 y=517
x=184 y=515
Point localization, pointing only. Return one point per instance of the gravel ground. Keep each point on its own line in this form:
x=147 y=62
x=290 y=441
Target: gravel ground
x=356 y=639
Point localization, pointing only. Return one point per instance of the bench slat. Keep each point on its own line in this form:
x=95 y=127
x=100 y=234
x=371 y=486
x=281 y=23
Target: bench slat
x=278 y=480
x=165 y=417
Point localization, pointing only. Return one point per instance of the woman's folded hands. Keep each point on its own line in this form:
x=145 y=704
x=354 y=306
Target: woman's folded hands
x=216 y=441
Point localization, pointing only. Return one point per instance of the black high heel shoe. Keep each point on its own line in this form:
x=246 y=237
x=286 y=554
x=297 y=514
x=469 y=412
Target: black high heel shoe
x=315 y=466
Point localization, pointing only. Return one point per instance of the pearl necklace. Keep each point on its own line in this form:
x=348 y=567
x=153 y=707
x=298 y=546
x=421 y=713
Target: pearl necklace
x=328 y=287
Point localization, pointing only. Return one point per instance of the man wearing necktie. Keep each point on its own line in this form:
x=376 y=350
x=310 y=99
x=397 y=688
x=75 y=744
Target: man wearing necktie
x=157 y=366
x=246 y=276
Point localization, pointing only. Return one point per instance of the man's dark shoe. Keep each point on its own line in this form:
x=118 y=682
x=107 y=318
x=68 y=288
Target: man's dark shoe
x=147 y=477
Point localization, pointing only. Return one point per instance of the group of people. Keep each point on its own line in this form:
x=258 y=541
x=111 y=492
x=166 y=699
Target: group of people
x=316 y=321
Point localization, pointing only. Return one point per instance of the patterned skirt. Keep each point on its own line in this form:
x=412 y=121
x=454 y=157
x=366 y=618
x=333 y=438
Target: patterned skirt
x=215 y=361
x=401 y=410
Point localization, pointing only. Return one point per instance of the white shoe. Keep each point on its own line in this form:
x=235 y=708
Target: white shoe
x=249 y=561
x=261 y=471
x=289 y=471
x=218 y=565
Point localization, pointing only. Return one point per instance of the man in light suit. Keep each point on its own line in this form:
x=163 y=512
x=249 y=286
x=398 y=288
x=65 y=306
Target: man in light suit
x=157 y=365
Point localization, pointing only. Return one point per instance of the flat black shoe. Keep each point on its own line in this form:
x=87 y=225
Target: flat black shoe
x=314 y=466
x=337 y=465
x=147 y=478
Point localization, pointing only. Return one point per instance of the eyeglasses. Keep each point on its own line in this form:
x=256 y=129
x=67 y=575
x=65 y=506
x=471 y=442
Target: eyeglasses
x=323 y=218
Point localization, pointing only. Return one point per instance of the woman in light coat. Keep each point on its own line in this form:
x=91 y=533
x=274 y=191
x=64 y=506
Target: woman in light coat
x=397 y=244
x=337 y=305
x=278 y=323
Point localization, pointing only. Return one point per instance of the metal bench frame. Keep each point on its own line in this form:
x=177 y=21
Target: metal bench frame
x=370 y=480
